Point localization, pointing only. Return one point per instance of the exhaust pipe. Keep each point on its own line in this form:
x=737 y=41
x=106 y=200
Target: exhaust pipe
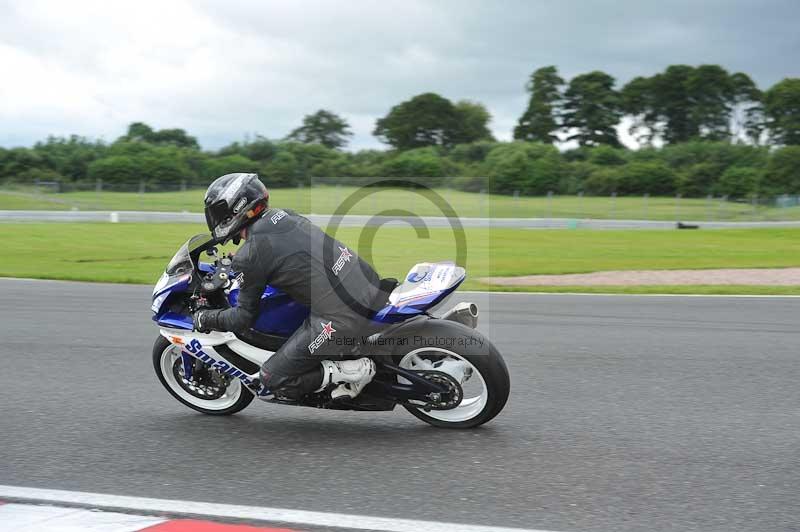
x=465 y=313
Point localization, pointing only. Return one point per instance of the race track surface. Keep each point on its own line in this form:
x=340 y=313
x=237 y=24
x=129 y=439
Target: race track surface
x=626 y=413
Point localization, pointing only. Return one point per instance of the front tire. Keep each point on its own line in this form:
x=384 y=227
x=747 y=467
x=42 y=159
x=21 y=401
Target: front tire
x=166 y=359
x=485 y=393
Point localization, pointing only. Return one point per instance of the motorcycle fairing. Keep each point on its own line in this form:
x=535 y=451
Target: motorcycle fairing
x=211 y=349
x=165 y=286
x=426 y=285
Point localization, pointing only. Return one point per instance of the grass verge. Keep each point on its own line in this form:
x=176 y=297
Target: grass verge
x=137 y=253
x=327 y=199
x=689 y=289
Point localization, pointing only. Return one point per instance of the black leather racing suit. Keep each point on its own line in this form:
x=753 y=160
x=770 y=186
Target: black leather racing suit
x=285 y=250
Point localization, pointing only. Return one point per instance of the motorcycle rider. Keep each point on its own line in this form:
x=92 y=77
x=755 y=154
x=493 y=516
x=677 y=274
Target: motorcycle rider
x=286 y=251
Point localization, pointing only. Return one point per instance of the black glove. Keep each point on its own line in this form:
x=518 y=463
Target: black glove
x=202 y=320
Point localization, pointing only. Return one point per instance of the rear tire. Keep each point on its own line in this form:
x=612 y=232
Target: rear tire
x=485 y=360
x=236 y=396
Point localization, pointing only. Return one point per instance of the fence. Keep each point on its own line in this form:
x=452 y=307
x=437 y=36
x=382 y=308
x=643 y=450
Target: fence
x=327 y=199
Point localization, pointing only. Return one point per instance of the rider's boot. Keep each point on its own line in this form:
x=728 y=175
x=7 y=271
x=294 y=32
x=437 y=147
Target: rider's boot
x=350 y=375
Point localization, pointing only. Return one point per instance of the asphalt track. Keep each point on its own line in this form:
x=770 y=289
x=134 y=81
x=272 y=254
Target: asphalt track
x=626 y=413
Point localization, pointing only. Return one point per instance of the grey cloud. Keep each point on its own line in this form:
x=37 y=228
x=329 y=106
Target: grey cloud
x=223 y=69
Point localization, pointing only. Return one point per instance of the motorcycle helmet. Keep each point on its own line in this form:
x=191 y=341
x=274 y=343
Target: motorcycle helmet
x=233 y=202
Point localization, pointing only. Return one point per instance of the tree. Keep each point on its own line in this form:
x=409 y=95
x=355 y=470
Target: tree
x=738 y=182
x=367 y=164
x=638 y=100
x=260 y=149
x=322 y=127
x=421 y=162
x=116 y=169
x=19 y=162
x=127 y=169
x=636 y=177
x=141 y=132
x=698 y=179
x=228 y=164
x=281 y=170
x=176 y=137
x=473 y=152
x=425 y=120
x=673 y=104
x=747 y=120
x=783 y=172
x=700 y=164
x=685 y=103
x=69 y=157
x=782 y=108
x=337 y=167
x=646 y=177
x=475 y=120
x=531 y=168
x=539 y=122
x=602 y=182
x=307 y=156
x=607 y=156
x=592 y=109
x=711 y=93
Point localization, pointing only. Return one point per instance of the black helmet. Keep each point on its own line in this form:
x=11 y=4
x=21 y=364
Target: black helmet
x=233 y=202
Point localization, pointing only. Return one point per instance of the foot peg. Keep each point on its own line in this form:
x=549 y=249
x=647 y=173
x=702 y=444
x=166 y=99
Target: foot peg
x=258 y=389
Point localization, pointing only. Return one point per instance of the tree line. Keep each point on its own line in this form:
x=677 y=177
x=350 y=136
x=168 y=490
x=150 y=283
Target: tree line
x=701 y=130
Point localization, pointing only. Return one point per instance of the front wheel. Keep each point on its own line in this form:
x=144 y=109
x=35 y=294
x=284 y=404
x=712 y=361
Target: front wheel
x=477 y=365
x=207 y=391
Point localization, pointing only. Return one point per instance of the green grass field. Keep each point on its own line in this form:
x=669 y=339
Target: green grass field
x=137 y=253
x=327 y=199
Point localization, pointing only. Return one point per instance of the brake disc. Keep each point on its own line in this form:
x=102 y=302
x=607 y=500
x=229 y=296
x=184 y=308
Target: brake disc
x=205 y=383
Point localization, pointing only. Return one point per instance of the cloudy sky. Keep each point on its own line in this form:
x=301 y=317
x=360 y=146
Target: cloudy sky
x=225 y=69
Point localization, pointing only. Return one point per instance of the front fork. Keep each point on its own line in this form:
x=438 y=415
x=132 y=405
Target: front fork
x=188 y=362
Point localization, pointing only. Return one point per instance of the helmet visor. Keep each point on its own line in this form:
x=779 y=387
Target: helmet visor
x=216 y=214
x=227 y=228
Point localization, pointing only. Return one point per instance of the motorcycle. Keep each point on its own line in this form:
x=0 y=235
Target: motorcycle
x=440 y=369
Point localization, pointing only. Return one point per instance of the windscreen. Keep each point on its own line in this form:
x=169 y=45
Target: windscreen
x=181 y=263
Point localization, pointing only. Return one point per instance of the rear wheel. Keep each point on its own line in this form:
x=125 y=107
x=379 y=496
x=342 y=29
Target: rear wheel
x=207 y=391
x=481 y=372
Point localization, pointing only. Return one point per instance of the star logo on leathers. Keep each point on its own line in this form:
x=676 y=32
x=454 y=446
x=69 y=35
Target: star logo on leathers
x=341 y=261
x=327 y=329
x=326 y=334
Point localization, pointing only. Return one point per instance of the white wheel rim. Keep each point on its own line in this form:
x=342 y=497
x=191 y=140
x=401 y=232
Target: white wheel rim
x=474 y=401
x=232 y=392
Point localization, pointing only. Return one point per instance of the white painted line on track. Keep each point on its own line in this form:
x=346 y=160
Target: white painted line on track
x=29 y=518
x=255 y=513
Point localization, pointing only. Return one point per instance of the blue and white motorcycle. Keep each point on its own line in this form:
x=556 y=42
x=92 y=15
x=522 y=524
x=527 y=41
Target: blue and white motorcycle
x=440 y=369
